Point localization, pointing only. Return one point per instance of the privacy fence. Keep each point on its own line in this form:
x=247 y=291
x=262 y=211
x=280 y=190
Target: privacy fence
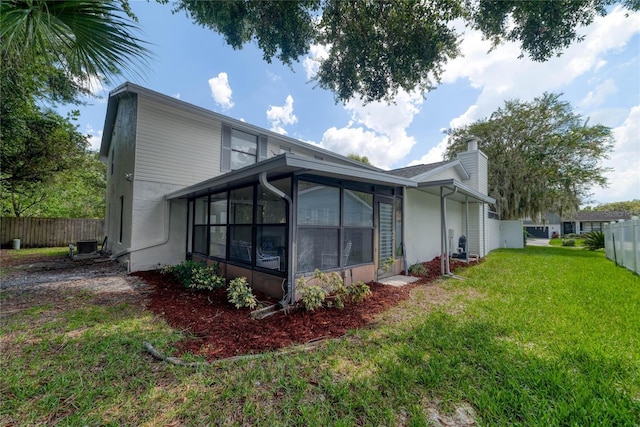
x=622 y=243
x=49 y=232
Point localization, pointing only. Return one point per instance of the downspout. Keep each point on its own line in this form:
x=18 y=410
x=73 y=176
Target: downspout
x=289 y=297
x=445 y=268
x=466 y=227
x=163 y=241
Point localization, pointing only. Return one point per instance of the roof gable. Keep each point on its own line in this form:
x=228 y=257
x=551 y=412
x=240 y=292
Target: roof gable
x=422 y=173
x=131 y=89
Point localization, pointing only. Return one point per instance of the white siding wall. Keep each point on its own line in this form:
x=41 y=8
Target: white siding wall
x=448 y=173
x=174 y=146
x=173 y=149
x=476 y=164
x=423 y=225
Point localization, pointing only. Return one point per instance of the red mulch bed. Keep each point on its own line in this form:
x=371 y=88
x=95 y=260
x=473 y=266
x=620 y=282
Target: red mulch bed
x=216 y=329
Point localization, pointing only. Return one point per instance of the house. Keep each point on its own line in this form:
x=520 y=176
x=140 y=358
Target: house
x=187 y=183
x=579 y=223
x=587 y=221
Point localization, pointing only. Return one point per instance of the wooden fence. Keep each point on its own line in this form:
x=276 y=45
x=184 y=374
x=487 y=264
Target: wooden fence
x=49 y=232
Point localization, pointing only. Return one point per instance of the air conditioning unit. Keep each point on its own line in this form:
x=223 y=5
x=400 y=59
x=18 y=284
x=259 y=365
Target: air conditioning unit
x=87 y=247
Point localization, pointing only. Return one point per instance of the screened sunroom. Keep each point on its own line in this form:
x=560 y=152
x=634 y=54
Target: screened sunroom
x=289 y=215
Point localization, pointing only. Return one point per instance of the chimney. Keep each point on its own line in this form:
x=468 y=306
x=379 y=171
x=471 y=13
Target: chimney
x=472 y=144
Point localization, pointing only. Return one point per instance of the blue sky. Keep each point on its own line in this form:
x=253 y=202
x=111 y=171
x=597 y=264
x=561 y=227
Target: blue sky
x=600 y=77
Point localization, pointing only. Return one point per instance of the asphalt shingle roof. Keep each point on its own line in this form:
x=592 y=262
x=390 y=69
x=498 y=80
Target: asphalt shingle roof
x=411 y=171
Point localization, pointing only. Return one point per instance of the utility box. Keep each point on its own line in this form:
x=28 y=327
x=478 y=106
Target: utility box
x=87 y=247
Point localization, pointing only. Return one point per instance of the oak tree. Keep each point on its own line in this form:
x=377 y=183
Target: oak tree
x=543 y=157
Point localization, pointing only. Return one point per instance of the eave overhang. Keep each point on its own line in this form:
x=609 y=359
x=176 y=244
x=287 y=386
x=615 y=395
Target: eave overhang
x=462 y=192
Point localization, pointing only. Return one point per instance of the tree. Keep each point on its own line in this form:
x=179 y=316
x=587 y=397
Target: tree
x=33 y=150
x=50 y=52
x=359 y=158
x=542 y=156
x=76 y=192
x=631 y=206
x=377 y=48
x=84 y=39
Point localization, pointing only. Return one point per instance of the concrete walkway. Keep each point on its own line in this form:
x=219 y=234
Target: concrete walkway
x=534 y=241
x=398 y=280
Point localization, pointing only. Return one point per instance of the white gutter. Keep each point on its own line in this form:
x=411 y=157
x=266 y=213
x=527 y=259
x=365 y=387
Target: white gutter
x=163 y=241
x=289 y=297
x=445 y=268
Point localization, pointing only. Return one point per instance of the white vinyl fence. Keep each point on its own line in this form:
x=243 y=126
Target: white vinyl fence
x=622 y=243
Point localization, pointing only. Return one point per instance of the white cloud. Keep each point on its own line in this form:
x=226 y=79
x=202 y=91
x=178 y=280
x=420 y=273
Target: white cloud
x=94 y=137
x=176 y=95
x=502 y=76
x=624 y=179
x=377 y=130
x=221 y=91
x=311 y=63
x=280 y=116
x=599 y=94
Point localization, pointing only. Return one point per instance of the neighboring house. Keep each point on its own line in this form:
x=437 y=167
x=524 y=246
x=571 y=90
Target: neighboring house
x=586 y=221
x=579 y=223
x=543 y=228
x=187 y=183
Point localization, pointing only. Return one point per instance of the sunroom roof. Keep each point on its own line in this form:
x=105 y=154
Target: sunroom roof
x=290 y=163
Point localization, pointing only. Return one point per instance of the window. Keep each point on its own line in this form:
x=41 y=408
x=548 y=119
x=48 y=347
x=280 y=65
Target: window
x=358 y=227
x=121 y=219
x=271 y=229
x=200 y=213
x=399 y=238
x=335 y=228
x=244 y=149
x=318 y=204
x=240 y=149
x=240 y=224
x=218 y=225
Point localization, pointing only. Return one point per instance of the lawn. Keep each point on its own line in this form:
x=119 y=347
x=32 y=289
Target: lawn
x=541 y=336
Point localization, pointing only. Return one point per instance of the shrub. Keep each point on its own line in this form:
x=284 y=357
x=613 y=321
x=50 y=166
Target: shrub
x=359 y=291
x=196 y=275
x=331 y=288
x=569 y=242
x=594 y=240
x=312 y=297
x=418 y=270
x=240 y=294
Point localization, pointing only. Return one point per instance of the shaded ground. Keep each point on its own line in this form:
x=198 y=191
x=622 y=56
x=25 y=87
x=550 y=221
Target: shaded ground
x=214 y=328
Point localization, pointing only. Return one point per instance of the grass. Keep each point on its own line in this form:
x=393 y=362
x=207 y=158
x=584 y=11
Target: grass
x=541 y=336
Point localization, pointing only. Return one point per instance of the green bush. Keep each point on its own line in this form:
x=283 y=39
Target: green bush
x=594 y=240
x=358 y=292
x=330 y=290
x=240 y=294
x=312 y=297
x=418 y=270
x=196 y=275
x=569 y=242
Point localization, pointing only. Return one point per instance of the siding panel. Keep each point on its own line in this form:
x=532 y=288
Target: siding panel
x=175 y=147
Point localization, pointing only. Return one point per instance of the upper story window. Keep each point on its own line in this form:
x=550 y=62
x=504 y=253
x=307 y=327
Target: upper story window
x=244 y=149
x=240 y=149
